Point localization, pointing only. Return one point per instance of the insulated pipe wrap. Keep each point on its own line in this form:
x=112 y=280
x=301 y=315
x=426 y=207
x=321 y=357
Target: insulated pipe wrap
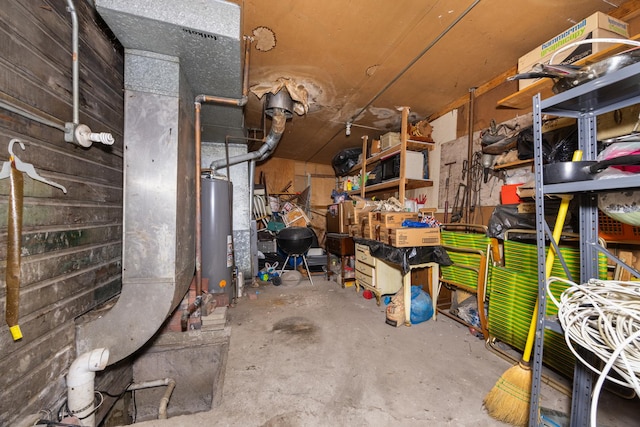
x=14 y=244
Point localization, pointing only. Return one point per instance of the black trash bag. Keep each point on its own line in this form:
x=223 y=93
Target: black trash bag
x=406 y=257
x=564 y=142
x=345 y=160
x=506 y=217
x=558 y=145
x=526 y=143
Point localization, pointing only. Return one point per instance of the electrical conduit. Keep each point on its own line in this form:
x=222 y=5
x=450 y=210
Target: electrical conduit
x=74 y=131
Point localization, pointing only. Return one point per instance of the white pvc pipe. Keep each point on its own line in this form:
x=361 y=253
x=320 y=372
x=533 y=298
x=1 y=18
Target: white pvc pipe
x=80 y=384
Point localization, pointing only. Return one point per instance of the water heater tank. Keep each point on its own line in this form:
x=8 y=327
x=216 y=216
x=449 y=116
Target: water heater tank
x=217 y=242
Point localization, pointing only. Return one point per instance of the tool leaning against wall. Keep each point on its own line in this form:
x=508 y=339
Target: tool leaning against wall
x=13 y=170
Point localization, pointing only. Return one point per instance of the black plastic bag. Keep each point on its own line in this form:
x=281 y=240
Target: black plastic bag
x=526 y=143
x=564 y=142
x=345 y=160
x=558 y=145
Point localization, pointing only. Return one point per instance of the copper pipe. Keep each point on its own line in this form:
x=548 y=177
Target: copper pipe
x=198 y=143
x=191 y=308
x=14 y=247
x=236 y=102
x=245 y=77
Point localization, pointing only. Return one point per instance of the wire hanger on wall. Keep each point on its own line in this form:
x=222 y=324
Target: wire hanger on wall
x=24 y=167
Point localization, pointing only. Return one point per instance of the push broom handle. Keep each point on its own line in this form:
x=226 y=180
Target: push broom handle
x=557 y=232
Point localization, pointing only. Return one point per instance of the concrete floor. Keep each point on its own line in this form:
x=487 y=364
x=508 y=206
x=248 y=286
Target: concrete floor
x=303 y=355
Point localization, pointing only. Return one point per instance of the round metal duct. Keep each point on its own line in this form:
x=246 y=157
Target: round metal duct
x=281 y=100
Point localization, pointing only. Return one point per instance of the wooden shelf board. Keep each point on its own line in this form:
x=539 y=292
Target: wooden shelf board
x=421 y=140
x=411 y=184
x=514 y=164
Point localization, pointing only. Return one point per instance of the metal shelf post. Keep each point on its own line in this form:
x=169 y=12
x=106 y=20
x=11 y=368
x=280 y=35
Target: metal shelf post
x=613 y=91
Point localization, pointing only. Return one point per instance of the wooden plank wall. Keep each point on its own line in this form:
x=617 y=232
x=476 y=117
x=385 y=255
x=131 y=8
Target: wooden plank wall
x=71 y=244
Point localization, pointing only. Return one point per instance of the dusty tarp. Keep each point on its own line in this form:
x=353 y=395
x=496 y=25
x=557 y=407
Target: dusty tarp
x=298 y=93
x=406 y=257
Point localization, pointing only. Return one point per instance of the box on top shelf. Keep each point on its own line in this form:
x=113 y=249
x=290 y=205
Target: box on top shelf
x=376 y=147
x=389 y=139
x=598 y=25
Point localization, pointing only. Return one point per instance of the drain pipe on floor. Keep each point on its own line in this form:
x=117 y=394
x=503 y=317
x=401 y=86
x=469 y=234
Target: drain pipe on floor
x=164 y=402
x=80 y=384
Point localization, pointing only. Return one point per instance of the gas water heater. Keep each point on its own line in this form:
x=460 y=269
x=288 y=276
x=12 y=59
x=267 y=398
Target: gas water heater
x=217 y=240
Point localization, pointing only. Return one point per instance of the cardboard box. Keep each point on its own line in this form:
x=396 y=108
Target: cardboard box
x=383 y=234
x=369 y=226
x=389 y=140
x=526 y=191
x=598 y=25
x=359 y=213
x=407 y=237
x=394 y=219
x=348 y=213
x=376 y=147
x=427 y=211
x=365 y=231
x=354 y=230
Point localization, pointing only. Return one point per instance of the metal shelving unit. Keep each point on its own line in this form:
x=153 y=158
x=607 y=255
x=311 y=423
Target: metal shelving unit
x=584 y=103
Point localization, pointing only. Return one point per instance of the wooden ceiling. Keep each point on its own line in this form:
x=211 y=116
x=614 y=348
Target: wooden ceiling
x=360 y=59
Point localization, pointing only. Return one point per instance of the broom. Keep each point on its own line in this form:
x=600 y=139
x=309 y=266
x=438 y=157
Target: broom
x=509 y=399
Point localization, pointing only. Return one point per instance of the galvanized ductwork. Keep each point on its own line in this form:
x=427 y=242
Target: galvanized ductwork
x=174 y=49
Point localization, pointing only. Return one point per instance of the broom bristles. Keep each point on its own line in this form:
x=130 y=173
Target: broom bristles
x=508 y=400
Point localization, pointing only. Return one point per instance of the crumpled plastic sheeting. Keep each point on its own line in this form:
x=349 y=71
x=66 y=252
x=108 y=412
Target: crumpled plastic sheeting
x=298 y=93
x=391 y=205
x=406 y=257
